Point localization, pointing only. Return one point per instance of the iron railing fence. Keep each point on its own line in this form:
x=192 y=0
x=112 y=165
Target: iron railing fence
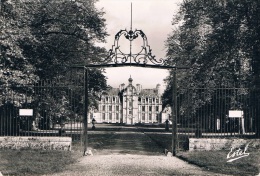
x=209 y=113
x=218 y=112
x=57 y=107
x=58 y=110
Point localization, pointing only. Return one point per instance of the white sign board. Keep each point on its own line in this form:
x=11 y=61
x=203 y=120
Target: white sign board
x=26 y=112
x=218 y=124
x=235 y=114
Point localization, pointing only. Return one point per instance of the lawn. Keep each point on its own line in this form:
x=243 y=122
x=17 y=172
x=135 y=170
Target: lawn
x=35 y=162
x=40 y=162
x=216 y=161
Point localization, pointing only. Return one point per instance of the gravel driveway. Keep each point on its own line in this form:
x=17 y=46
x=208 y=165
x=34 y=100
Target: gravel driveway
x=131 y=152
x=134 y=165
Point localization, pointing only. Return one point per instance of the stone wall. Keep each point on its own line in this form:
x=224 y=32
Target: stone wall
x=41 y=143
x=202 y=144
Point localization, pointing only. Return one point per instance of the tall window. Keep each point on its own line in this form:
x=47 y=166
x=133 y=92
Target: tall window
x=110 y=107
x=103 y=108
x=157 y=117
x=143 y=116
x=117 y=116
x=157 y=100
x=157 y=108
x=150 y=108
x=110 y=116
x=150 y=117
x=104 y=116
x=117 y=108
x=143 y=108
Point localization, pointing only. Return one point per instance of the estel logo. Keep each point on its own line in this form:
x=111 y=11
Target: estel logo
x=237 y=154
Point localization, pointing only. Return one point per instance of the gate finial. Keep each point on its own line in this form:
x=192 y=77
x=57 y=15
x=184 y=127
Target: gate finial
x=131 y=17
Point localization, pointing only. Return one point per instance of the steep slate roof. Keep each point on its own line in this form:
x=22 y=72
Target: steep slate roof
x=144 y=92
x=147 y=92
x=113 y=91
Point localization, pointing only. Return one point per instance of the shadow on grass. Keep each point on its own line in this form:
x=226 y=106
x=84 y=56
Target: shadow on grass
x=165 y=141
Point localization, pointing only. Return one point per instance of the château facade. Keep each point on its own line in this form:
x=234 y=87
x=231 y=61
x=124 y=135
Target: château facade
x=130 y=104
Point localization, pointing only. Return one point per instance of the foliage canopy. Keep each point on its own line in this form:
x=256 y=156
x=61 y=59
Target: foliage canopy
x=41 y=39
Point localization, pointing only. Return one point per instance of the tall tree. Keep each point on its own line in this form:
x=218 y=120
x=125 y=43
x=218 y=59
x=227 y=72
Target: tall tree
x=16 y=69
x=67 y=32
x=219 y=40
x=40 y=40
x=210 y=42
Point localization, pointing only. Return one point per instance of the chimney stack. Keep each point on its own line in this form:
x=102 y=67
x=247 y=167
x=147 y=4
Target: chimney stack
x=138 y=88
x=158 y=87
x=121 y=87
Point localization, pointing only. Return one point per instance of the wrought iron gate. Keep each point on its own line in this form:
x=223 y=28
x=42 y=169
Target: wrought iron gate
x=142 y=58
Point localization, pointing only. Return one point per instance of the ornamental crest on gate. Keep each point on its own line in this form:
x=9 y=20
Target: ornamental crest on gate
x=142 y=56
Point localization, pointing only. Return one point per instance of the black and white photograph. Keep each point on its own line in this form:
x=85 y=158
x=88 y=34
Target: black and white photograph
x=129 y=87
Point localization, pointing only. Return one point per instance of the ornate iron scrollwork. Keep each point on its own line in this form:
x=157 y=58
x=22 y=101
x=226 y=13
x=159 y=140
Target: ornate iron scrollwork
x=144 y=56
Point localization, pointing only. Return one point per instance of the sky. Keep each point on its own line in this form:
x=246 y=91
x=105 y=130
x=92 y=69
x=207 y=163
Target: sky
x=154 y=18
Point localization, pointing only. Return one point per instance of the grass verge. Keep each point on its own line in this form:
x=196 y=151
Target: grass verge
x=35 y=162
x=216 y=161
x=41 y=162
